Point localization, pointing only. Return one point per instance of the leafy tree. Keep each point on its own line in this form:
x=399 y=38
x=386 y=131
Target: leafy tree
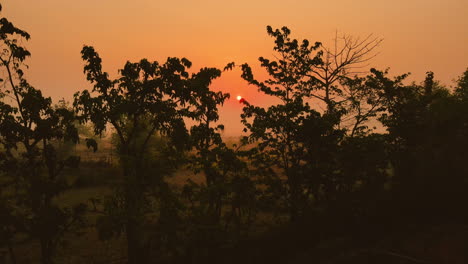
x=461 y=89
x=292 y=134
x=222 y=167
x=427 y=138
x=148 y=97
x=277 y=127
x=29 y=127
x=347 y=166
x=321 y=164
x=215 y=160
x=219 y=213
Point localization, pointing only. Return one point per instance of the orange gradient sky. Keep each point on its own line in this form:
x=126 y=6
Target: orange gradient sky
x=419 y=35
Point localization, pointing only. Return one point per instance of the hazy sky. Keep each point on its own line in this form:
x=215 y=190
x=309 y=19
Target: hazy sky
x=419 y=35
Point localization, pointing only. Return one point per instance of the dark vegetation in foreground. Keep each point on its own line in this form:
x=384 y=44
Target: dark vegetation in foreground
x=346 y=168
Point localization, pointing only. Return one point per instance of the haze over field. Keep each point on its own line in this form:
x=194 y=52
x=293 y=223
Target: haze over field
x=418 y=36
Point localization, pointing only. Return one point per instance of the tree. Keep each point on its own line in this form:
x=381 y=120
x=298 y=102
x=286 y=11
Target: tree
x=148 y=97
x=29 y=127
x=427 y=143
x=344 y=59
x=277 y=127
x=337 y=78
x=303 y=74
x=222 y=207
x=461 y=89
x=207 y=140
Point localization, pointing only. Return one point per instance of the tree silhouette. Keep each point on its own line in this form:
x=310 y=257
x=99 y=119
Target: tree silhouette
x=314 y=157
x=147 y=98
x=206 y=138
x=336 y=78
x=426 y=142
x=277 y=127
x=29 y=127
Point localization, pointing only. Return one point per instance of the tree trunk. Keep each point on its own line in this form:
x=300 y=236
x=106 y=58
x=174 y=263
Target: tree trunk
x=46 y=251
x=12 y=253
x=294 y=202
x=136 y=249
x=136 y=246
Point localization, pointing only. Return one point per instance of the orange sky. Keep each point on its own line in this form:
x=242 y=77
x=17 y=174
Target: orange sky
x=419 y=35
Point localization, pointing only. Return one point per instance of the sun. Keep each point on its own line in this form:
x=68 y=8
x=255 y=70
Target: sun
x=239 y=98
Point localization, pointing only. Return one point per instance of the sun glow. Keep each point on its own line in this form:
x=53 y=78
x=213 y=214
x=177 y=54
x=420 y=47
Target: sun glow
x=239 y=98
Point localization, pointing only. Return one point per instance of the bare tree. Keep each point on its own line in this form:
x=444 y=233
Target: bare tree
x=339 y=82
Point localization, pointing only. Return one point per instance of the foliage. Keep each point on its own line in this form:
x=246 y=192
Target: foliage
x=277 y=127
x=208 y=224
x=29 y=128
x=147 y=98
x=427 y=140
x=314 y=157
